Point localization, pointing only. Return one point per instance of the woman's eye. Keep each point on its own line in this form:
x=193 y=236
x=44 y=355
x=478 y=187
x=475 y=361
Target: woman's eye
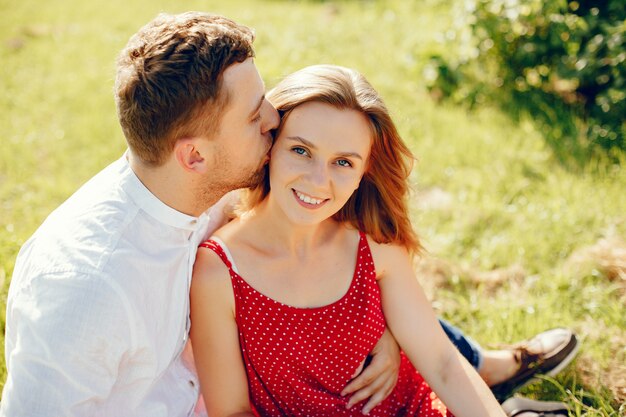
x=299 y=150
x=256 y=119
x=344 y=163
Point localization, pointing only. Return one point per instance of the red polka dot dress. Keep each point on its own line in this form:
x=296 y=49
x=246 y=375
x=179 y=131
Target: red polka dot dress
x=298 y=360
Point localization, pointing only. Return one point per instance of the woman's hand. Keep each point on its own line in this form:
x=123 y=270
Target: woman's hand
x=379 y=378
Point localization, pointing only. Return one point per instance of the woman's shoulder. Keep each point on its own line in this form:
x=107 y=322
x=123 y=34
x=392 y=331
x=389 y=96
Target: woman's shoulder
x=211 y=290
x=386 y=249
x=229 y=229
x=209 y=268
x=243 y=228
x=231 y=242
x=386 y=255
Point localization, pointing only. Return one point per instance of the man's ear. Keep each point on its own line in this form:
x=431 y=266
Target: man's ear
x=189 y=153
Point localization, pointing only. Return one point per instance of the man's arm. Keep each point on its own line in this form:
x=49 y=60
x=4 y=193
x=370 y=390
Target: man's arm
x=65 y=337
x=379 y=378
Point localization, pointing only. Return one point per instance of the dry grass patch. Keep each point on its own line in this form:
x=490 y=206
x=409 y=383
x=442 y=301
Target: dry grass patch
x=434 y=273
x=608 y=256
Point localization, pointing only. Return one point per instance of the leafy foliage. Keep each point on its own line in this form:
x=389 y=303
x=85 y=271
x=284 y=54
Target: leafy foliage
x=563 y=62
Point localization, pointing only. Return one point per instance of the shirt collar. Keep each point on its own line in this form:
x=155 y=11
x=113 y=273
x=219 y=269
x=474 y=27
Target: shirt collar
x=155 y=207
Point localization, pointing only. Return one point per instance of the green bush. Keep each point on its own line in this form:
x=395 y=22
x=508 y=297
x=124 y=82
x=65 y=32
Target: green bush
x=562 y=62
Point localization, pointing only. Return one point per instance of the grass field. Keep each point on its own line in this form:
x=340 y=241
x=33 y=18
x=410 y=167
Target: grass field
x=517 y=242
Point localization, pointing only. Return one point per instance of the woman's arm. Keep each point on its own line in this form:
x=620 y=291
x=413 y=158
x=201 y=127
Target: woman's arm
x=412 y=321
x=215 y=340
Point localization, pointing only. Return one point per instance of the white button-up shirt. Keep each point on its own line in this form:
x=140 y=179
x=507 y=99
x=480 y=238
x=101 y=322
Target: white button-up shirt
x=98 y=308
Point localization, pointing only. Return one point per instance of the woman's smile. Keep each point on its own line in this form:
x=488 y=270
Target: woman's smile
x=308 y=201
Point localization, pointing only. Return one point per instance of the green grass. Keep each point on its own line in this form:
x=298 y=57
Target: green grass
x=510 y=201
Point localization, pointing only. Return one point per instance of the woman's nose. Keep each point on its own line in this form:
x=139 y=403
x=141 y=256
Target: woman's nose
x=319 y=174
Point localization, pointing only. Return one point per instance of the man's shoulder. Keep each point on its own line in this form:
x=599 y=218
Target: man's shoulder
x=84 y=230
x=105 y=192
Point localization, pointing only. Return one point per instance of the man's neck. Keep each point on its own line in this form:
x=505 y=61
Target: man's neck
x=167 y=184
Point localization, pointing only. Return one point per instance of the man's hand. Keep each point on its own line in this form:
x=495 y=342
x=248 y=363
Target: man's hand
x=379 y=378
x=223 y=211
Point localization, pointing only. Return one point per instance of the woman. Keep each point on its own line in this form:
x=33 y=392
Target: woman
x=288 y=299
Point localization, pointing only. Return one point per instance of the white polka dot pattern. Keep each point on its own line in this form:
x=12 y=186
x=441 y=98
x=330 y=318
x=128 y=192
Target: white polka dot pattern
x=299 y=359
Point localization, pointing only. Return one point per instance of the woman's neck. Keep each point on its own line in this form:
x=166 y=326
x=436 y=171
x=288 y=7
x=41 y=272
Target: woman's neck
x=295 y=239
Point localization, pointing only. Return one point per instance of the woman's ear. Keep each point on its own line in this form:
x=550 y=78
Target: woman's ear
x=189 y=153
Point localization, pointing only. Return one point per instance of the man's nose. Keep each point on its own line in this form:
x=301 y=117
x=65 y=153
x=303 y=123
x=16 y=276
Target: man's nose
x=272 y=119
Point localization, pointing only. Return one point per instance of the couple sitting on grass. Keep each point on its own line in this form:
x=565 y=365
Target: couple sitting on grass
x=298 y=305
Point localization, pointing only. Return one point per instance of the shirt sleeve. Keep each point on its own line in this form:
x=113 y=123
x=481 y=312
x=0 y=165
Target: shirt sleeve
x=66 y=336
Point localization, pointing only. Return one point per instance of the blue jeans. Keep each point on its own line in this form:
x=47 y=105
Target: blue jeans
x=465 y=345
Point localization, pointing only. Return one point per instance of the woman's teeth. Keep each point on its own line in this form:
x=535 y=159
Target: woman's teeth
x=307 y=199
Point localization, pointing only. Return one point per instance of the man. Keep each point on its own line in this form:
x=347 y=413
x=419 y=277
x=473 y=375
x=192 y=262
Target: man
x=97 y=313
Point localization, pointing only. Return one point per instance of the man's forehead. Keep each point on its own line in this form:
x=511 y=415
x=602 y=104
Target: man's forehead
x=243 y=83
x=244 y=71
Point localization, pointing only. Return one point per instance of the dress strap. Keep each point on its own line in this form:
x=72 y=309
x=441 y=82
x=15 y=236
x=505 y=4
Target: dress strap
x=229 y=256
x=219 y=247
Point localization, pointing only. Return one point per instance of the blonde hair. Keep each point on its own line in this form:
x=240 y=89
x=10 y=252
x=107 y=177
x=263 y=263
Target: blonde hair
x=379 y=207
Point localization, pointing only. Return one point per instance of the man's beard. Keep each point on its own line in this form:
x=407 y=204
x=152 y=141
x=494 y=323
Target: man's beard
x=256 y=178
x=210 y=191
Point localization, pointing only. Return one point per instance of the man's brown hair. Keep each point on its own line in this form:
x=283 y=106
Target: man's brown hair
x=169 y=78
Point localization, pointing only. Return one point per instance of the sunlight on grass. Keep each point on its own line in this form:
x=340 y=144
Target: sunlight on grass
x=503 y=199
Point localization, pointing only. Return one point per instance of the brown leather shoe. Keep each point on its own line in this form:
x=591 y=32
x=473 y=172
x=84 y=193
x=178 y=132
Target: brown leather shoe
x=547 y=353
